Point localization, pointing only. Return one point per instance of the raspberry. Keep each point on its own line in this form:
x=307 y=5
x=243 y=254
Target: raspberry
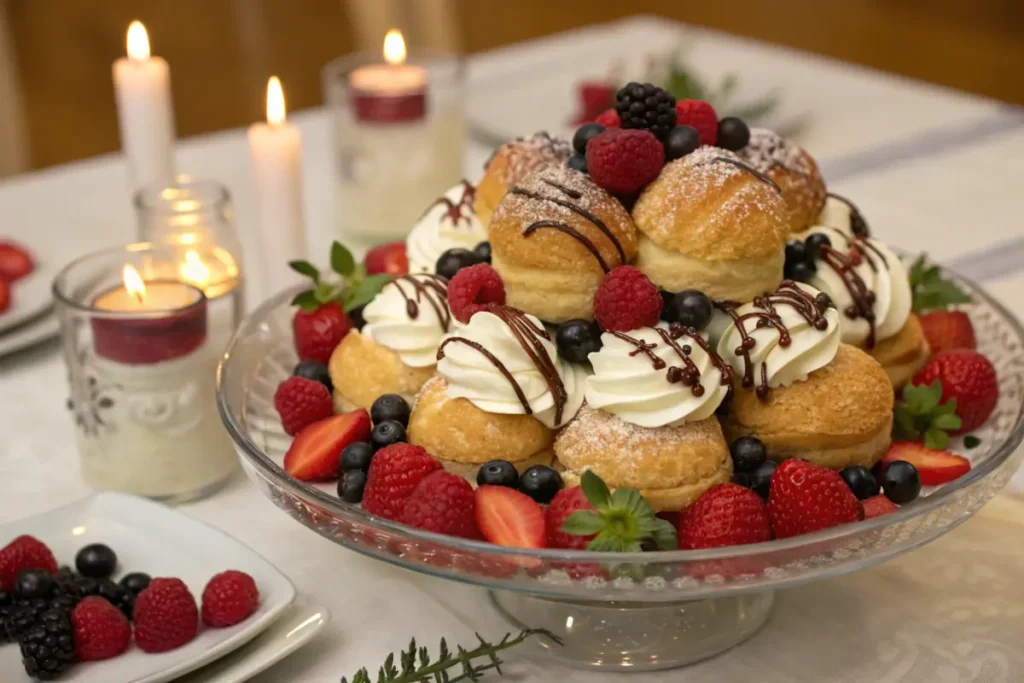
x=566 y=502
x=725 y=514
x=229 y=598
x=700 y=115
x=876 y=506
x=24 y=552
x=609 y=118
x=300 y=402
x=101 y=630
x=626 y=300
x=443 y=503
x=803 y=498
x=318 y=332
x=166 y=616
x=623 y=161
x=394 y=473
x=472 y=289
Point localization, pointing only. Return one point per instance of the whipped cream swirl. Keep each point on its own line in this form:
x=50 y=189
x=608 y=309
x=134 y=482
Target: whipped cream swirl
x=410 y=316
x=781 y=338
x=657 y=377
x=503 y=361
x=839 y=214
x=449 y=223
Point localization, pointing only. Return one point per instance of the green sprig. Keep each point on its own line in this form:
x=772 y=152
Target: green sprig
x=920 y=416
x=621 y=521
x=355 y=288
x=931 y=291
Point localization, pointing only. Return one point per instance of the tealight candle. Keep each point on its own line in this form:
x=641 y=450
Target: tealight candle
x=393 y=92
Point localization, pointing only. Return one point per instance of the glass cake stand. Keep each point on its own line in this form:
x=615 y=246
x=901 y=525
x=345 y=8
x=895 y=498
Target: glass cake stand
x=619 y=611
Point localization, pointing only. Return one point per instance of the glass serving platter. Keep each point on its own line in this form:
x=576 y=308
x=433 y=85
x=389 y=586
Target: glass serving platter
x=619 y=611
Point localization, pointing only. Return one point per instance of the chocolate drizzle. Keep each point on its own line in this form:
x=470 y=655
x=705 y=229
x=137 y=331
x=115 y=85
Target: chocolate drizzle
x=742 y=165
x=863 y=298
x=429 y=287
x=689 y=374
x=809 y=307
x=454 y=212
x=858 y=226
x=529 y=336
x=572 y=232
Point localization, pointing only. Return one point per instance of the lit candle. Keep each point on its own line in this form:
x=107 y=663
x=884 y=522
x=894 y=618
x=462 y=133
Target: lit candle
x=142 y=87
x=393 y=92
x=275 y=148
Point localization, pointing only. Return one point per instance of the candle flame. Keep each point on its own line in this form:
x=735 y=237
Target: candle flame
x=138 y=41
x=275 y=102
x=394 y=47
x=133 y=282
x=193 y=269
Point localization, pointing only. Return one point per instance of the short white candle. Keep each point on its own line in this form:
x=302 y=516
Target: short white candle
x=142 y=87
x=275 y=148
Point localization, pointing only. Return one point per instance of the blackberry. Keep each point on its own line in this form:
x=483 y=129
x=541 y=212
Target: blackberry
x=6 y=607
x=24 y=613
x=644 y=105
x=48 y=646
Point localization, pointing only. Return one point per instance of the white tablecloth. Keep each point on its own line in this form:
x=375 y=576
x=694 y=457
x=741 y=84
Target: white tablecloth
x=885 y=139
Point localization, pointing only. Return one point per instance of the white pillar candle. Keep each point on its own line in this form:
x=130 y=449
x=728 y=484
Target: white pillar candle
x=275 y=148
x=142 y=87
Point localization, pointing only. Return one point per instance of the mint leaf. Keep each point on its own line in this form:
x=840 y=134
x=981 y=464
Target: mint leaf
x=920 y=415
x=936 y=439
x=947 y=422
x=363 y=292
x=583 y=523
x=971 y=441
x=665 y=535
x=306 y=301
x=931 y=291
x=305 y=268
x=631 y=502
x=342 y=261
x=596 y=491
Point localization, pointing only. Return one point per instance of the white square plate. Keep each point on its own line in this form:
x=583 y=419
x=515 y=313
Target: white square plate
x=160 y=541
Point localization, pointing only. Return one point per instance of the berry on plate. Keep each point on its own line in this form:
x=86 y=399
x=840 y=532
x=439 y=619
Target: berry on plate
x=135 y=583
x=626 y=300
x=509 y=518
x=733 y=134
x=300 y=402
x=5 y=296
x=934 y=467
x=473 y=289
x=97 y=561
x=498 y=473
x=577 y=339
x=624 y=161
x=876 y=506
x=483 y=252
x=921 y=415
x=747 y=453
x=804 y=498
x=947 y=330
x=609 y=118
x=443 y=503
x=646 y=106
x=968 y=377
x=901 y=482
x=583 y=135
x=15 y=261
x=563 y=505
x=390 y=407
x=541 y=483
x=690 y=308
x=700 y=115
x=452 y=261
x=861 y=481
x=319 y=331
x=229 y=598
x=356 y=456
x=351 y=485
x=389 y=259
x=166 y=616
x=387 y=433
x=101 y=630
x=725 y=514
x=681 y=140
x=316 y=371
x=394 y=474
x=315 y=453
x=24 y=552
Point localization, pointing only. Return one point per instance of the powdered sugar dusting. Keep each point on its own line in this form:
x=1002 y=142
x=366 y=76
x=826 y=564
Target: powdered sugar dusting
x=767 y=150
x=591 y=196
x=526 y=155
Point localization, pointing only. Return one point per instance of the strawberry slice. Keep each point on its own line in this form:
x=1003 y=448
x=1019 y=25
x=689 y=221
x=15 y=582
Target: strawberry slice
x=935 y=467
x=387 y=258
x=315 y=453
x=5 y=296
x=509 y=518
x=876 y=506
x=15 y=262
x=948 y=330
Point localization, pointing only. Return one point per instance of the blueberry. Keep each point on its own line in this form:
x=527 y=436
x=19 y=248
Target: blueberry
x=387 y=433
x=316 y=371
x=356 y=316
x=482 y=252
x=33 y=583
x=861 y=481
x=744 y=479
x=454 y=260
x=748 y=453
x=801 y=272
x=681 y=141
x=762 y=478
x=390 y=407
x=577 y=339
x=498 y=473
x=356 y=456
x=901 y=482
x=583 y=135
x=135 y=583
x=541 y=483
x=814 y=243
x=690 y=308
x=577 y=162
x=733 y=134
x=351 y=485
x=96 y=561
x=796 y=252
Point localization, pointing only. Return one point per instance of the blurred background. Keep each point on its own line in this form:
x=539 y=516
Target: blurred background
x=56 y=96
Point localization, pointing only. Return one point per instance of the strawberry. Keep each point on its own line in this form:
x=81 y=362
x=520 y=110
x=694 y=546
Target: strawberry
x=509 y=518
x=101 y=630
x=947 y=330
x=594 y=98
x=934 y=466
x=566 y=502
x=318 y=332
x=229 y=598
x=876 y=506
x=15 y=262
x=804 y=498
x=969 y=378
x=394 y=474
x=725 y=514
x=165 y=615
x=609 y=118
x=300 y=402
x=390 y=259
x=24 y=552
x=443 y=503
x=5 y=296
x=315 y=453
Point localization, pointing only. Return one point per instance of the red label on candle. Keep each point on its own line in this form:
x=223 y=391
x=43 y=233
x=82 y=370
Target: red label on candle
x=374 y=108
x=150 y=338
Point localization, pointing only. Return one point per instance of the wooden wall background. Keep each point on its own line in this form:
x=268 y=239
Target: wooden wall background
x=222 y=51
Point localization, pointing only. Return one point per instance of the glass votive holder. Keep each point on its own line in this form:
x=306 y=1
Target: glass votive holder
x=141 y=357
x=399 y=133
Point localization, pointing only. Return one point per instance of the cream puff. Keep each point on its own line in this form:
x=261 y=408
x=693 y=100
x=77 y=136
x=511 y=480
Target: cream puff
x=799 y=390
x=793 y=170
x=501 y=390
x=553 y=237
x=511 y=164
x=396 y=351
x=649 y=418
x=448 y=223
x=712 y=222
